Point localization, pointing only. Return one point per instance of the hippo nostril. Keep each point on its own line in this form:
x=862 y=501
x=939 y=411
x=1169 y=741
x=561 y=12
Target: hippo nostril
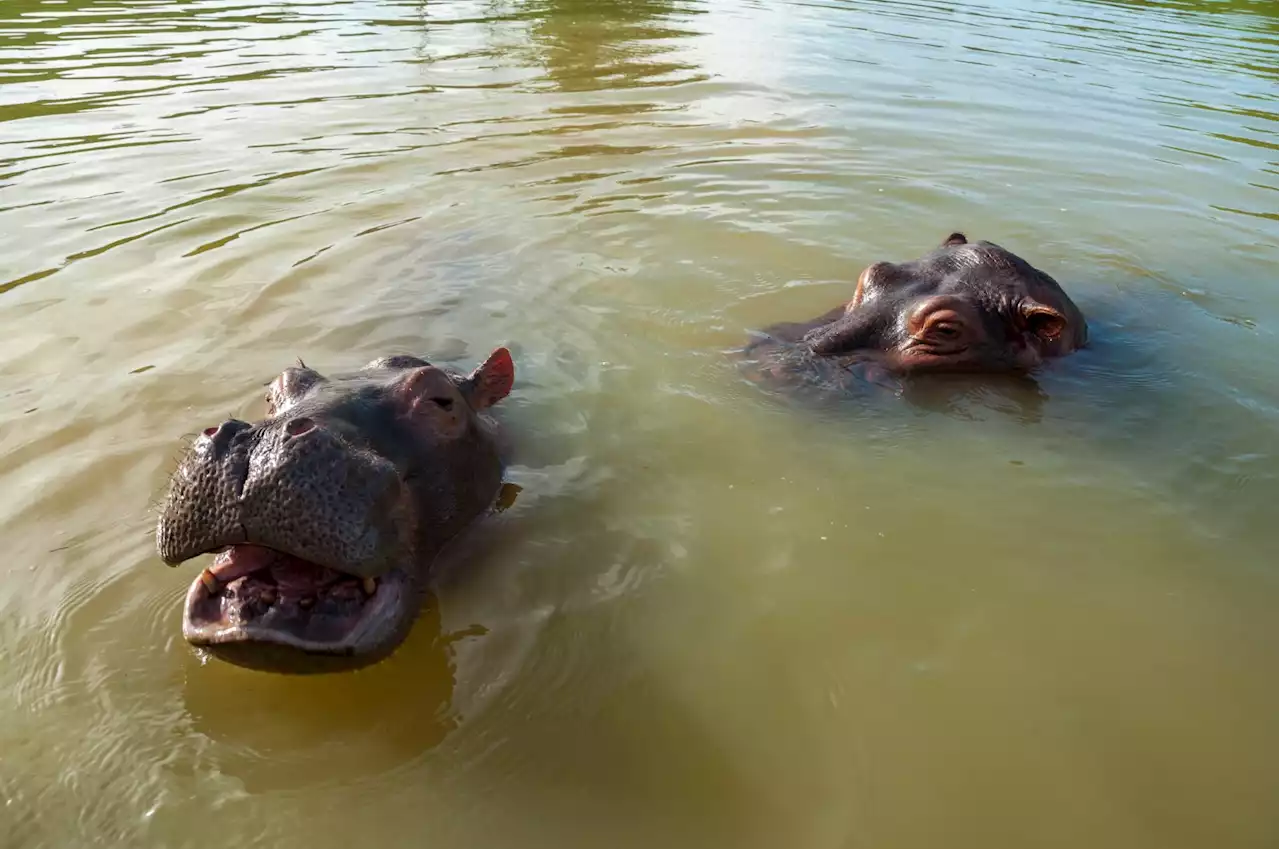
x=299 y=426
x=222 y=435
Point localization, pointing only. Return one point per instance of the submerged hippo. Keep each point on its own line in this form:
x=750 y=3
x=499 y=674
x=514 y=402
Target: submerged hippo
x=963 y=307
x=328 y=513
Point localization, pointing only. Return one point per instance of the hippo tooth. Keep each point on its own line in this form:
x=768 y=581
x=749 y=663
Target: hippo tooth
x=210 y=582
x=370 y=585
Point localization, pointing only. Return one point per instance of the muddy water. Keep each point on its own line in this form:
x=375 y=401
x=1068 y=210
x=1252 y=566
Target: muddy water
x=1036 y=614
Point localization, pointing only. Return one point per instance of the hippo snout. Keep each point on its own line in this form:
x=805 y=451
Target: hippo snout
x=290 y=485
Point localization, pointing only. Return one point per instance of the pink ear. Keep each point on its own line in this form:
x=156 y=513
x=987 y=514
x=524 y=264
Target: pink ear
x=1043 y=321
x=491 y=381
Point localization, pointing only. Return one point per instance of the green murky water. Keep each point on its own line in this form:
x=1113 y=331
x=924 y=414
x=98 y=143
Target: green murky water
x=1031 y=616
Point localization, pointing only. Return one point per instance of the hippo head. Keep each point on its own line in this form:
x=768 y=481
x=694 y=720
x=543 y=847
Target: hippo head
x=327 y=514
x=964 y=307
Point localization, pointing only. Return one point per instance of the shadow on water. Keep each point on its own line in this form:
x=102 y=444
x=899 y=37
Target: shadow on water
x=283 y=731
x=288 y=731
x=1018 y=396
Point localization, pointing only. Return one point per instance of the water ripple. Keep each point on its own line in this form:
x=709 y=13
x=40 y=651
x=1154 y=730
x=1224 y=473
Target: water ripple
x=193 y=194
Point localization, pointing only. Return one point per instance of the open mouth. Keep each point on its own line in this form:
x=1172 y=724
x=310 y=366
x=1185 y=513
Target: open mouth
x=255 y=594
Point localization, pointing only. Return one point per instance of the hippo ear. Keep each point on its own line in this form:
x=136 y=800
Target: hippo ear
x=955 y=239
x=491 y=381
x=1045 y=322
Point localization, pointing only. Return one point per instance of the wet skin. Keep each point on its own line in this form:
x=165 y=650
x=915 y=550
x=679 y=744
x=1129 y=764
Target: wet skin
x=963 y=307
x=328 y=514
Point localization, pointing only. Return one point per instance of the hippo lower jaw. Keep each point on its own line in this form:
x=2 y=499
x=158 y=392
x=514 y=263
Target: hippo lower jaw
x=270 y=610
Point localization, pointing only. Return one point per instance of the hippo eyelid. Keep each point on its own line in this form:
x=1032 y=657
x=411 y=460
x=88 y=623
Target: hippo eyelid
x=443 y=403
x=937 y=319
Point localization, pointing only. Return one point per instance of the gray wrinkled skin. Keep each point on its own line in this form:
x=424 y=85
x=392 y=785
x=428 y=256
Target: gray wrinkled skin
x=351 y=481
x=963 y=307
x=322 y=498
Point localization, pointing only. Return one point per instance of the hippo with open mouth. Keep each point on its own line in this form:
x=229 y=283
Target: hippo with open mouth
x=326 y=515
x=963 y=307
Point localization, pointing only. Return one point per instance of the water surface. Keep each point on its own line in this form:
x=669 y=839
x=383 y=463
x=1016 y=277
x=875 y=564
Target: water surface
x=1035 y=614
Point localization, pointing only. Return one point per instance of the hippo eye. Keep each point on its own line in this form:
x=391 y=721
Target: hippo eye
x=935 y=322
x=443 y=403
x=944 y=331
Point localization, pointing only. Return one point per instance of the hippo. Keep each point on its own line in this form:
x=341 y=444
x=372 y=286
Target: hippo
x=963 y=307
x=327 y=515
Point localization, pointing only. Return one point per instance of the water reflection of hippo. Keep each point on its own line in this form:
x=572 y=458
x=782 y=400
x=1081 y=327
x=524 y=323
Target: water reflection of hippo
x=328 y=514
x=963 y=307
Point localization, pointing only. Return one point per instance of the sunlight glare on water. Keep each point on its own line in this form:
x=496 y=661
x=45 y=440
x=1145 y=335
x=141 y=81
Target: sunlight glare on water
x=987 y=614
